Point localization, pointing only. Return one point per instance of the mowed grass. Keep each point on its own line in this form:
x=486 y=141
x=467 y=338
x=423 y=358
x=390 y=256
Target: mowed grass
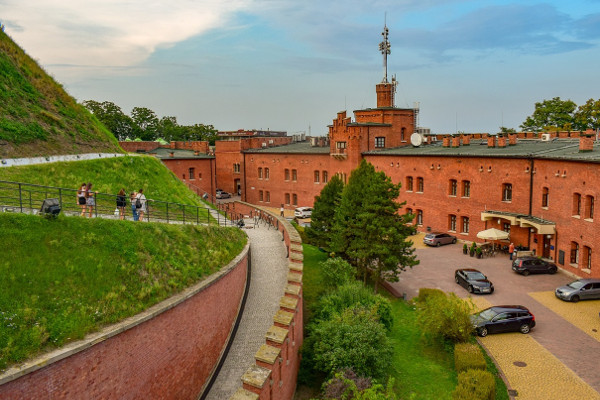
x=63 y=278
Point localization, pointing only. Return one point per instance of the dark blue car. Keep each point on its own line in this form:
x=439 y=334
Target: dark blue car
x=499 y=319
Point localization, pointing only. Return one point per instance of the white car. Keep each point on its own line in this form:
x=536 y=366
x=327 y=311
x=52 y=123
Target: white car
x=303 y=212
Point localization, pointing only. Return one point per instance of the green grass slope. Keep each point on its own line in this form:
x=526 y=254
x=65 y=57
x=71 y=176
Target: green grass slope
x=37 y=116
x=108 y=175
x=62 y=278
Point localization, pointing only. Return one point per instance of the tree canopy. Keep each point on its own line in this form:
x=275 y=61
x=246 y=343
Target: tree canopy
x=557 y=114
x=323 y=215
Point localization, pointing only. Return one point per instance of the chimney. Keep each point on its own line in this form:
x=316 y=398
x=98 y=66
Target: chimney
x=466 y=140
x=586 y=143
x=491 y=141
x=196 y=153
x=446 y=141
x=512 y=139
x=172 y=154
x=455 y=141
x=502 y=141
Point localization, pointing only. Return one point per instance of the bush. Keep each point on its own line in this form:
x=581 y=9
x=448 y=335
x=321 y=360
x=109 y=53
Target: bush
x=445 y=315
x=336 y=272
x=346 y=385
x=475 y=384
x=468 y=356
x=350 y=296
x=425 y=293
x=353 y=339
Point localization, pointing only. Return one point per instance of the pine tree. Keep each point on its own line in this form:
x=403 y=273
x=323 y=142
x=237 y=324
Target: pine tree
x=323 y=214
x=369 y=231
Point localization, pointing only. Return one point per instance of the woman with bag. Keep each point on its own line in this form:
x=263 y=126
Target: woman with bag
x=121 y=203
x=81 y=198
x=140 y=204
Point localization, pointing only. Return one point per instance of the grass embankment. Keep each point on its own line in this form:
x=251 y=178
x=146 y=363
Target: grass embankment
x=108 y=175
x=37 y=116
x=422 y=369
x=63 y=278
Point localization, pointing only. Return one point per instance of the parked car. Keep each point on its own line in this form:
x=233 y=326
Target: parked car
x=223 y=195
x=303 y=212
x=581 y=289
x=533 y=265
x=438 y=238
x=503 y=319
x=473 y=280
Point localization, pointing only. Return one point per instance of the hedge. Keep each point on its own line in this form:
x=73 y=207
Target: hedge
x=468 y=356
x=475 y=384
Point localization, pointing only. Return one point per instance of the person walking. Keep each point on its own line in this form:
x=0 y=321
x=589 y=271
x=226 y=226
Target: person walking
x=81 y=198
x=281 y=211
x=132 y=198
x=121 y=203
x=90 y=199
x=140 y=200
x=511 y=250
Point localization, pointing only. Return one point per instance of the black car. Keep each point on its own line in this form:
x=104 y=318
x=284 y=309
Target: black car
x=533 y=265
x=473 y=280
x=503 y=319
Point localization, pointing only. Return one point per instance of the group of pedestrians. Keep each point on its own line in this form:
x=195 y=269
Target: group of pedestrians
x=86 y=199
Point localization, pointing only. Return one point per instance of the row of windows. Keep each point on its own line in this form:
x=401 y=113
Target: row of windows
x=260 y=173
x=409 y=184
x=465 y=190
x=575 y=255
x=236 y=168
x=265 y=196
x=588 y=207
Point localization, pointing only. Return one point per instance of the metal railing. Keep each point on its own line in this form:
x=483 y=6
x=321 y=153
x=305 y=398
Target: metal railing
x=28 y=198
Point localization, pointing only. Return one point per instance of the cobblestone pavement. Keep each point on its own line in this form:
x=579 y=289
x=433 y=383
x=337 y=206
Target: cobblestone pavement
x=269 y=275
x=557 y=339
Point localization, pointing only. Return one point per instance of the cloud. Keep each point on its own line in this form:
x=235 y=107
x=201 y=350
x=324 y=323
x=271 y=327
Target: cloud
x=114 y=33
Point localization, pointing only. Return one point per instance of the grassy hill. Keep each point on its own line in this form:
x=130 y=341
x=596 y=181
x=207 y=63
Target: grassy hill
x=108 y=175
x=62 y=278
x=37 y=116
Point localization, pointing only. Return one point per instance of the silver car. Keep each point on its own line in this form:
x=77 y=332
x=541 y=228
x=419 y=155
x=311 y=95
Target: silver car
x=438 y=238
x=582 y=289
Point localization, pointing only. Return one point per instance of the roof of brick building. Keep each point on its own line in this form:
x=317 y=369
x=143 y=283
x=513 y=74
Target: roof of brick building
x=292 y=148
x=165 y=153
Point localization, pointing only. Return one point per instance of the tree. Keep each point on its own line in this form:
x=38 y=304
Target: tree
x=323 y=215
x=587 y=116
x=168 y=128
x=145 y=123
x=552 y=114
x=369 y=232
x=111 y=116
x=504 y=129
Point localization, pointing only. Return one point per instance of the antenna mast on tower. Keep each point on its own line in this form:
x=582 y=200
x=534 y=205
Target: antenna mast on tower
x=385 y=48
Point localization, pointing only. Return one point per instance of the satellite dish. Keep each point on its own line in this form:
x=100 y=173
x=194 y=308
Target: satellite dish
x=416 y=139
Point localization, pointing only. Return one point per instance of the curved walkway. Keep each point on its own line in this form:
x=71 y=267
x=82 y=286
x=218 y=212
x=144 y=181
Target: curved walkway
x=267 y=282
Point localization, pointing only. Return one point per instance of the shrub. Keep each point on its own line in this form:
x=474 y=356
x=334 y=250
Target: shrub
x=475 y=384
x=445 y=316
x=425 y=293
x=353 y=339
x=336 y=272
x=346 y=385
x=350 y=296
x=468 y=356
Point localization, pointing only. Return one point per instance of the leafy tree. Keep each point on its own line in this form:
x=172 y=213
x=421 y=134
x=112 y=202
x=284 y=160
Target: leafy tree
x=145 y=122
x=444 y=315
x=504 y=129
x=336 y=272
x=552 y=114
x=587 y=116
x=353 y=339
x=323 y=215
x=168 y=128
x=109 y=114
x=368 y=230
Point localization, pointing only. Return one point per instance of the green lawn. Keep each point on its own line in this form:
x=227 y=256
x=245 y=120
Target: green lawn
x=63 y=278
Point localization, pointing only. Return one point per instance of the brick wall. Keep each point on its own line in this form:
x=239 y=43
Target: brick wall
x=203 y=174
x=167 y=352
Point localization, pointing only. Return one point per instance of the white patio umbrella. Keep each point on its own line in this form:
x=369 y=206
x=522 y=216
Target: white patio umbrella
x=492 y=234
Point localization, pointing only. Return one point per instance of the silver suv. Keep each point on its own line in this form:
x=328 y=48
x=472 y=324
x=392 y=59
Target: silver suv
x=582 y=289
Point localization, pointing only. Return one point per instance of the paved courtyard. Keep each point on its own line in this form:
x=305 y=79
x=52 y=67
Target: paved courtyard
x=562 y=353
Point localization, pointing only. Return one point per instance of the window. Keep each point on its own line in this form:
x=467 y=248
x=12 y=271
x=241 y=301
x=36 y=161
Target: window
x=465 y=224
x=419 y=217
x=466 y=189
x=295 y=199
x=317 y=176
x=341 y=147
x=294 y=175
x=287 y=198
x=266 y=173
x=402 y=134
x=574 y=253
x=379 y=142
x=587 y=257
x=260 y=173
x=268 y=197
x=409 y=211
x=236 y=168
x=545 y=197
x=287 y=174
x=325 y=177
x=191 y=173
x=420 y=185
x=589 y=207
x=576 y=204
x=409 y=184
x=260 y=195
x=453 y=185
x=506 y=227
x=452 y=223
x=507 y=192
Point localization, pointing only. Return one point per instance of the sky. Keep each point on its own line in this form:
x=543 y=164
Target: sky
x=470 y=66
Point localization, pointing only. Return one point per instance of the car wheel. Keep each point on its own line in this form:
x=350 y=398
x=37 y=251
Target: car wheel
x=525 y=272
x=454 y=241
x=456 y=279
x=470 y=289
x=482 y=332
x=437 y=244
x=553 y=271
x=575 y=299
x=524 y=328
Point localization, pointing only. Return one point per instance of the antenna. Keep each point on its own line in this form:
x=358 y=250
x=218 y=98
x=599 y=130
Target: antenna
x=385 y=48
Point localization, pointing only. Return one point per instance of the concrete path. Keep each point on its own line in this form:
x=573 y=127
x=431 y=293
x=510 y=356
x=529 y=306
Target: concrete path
x=267 y=282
